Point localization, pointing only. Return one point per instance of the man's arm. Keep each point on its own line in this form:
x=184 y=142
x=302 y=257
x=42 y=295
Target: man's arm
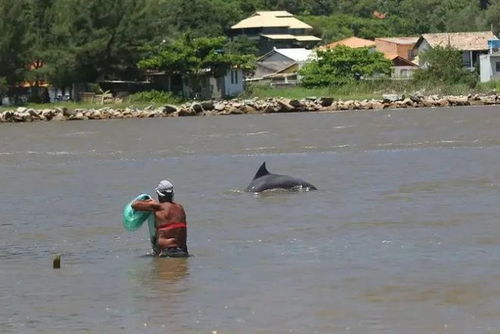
x=146 y=205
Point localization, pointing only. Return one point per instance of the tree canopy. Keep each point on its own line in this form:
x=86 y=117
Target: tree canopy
x=444 y=65
x=343 y=65
x=91 y=40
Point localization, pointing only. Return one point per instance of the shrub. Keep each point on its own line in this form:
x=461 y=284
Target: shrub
x=443 y=65
x=3 y=87
x=343 y=65
x=155 y=96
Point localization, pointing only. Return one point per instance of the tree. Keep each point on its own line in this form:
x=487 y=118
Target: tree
x=3 y=88
x=198 y=18
x=13 y=44
x=193 y=58
x=343 y=65
x=493 y=16
x=444 y=65
x=99 y=41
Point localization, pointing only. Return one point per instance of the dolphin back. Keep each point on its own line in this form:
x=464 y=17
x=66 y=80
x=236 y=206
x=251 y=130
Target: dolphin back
x=263 y=180
x=262 y=171
x=276 y=181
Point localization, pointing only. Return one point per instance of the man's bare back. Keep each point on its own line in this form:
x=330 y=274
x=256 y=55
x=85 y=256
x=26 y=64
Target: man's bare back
x=171 y=225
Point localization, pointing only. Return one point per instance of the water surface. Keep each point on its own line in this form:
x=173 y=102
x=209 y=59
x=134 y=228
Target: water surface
x=403 y=235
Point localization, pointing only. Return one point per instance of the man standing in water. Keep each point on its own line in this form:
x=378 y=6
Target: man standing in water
x=171 y=227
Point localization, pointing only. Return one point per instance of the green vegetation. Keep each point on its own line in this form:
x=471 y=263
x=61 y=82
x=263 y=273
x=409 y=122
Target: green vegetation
x=192 y=58
x=343 y=65
x=371 y=89
x=154 y=97
x=445 y=66
x=73 y=41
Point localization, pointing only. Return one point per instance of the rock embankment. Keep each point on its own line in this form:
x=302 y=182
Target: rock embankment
x=253 y=106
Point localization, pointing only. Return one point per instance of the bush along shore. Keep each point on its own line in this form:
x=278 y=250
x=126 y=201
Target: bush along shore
x=248 y=106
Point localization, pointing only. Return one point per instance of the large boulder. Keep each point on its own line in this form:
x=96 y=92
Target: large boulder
x=197 y=107
x=389 y=98
x=325 y=101
x=270 y=108
x=207 y=105
x=59 y=117
x=250 y=109
x=169 y=108
x=221 y=106
x=488 y=99
x=8 y=115
x=458 y=100
x=232 y=110
x=285 y=106
x=186 y=112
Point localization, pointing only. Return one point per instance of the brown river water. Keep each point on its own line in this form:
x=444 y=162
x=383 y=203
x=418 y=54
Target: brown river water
x=403 y=235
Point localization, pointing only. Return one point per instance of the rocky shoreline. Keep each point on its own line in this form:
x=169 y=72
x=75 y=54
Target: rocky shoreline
x=252 y=106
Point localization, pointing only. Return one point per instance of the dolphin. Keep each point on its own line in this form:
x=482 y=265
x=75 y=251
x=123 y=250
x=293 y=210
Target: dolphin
x=263 y=180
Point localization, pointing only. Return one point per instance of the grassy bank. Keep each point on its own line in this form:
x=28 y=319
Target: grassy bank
x=139 y=100
x=359 y=91
x=369 y=90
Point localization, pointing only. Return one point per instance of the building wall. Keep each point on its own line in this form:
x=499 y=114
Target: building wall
x=402 y=72
x=424 y=46
x=402 y=50
x=489 y=67
x=386 y=46
x=234 y=83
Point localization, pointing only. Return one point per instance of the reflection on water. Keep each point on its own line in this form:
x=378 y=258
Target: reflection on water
x=167 y=270
x=403 y=235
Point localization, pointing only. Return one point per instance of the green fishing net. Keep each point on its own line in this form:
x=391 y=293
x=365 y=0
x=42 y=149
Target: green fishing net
x=133 y=219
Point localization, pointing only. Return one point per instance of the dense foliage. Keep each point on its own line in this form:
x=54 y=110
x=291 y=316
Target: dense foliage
x=444 y=65
x=154 y=96
x=91 y=40
x=343 y=65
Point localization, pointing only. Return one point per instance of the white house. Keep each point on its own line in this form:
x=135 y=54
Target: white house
x=472 y=45
x=490 y=63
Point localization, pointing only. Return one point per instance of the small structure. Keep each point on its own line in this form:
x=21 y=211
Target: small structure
x=490 y=63
x=281 y=66
x=472 y=45
x=208 y=86
x=400 y=51
x=275 y=29
x=402 y=69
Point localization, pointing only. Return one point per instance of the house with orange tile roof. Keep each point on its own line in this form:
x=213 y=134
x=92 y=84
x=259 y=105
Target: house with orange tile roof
x=397 y=46
x=352 y=42
x=397 y=50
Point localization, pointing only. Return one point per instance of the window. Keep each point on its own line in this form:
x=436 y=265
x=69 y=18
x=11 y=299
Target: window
x=467 y=59
x=234 y=77
x=497 y=65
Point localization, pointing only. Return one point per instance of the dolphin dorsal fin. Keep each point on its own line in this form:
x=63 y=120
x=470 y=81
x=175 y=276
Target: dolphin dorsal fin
x=262 y=171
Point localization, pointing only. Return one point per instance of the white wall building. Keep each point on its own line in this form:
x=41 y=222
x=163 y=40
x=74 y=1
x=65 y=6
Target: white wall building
x=490 y=63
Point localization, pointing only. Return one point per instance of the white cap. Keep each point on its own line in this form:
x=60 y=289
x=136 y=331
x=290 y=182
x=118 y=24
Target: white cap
x=164 y=188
